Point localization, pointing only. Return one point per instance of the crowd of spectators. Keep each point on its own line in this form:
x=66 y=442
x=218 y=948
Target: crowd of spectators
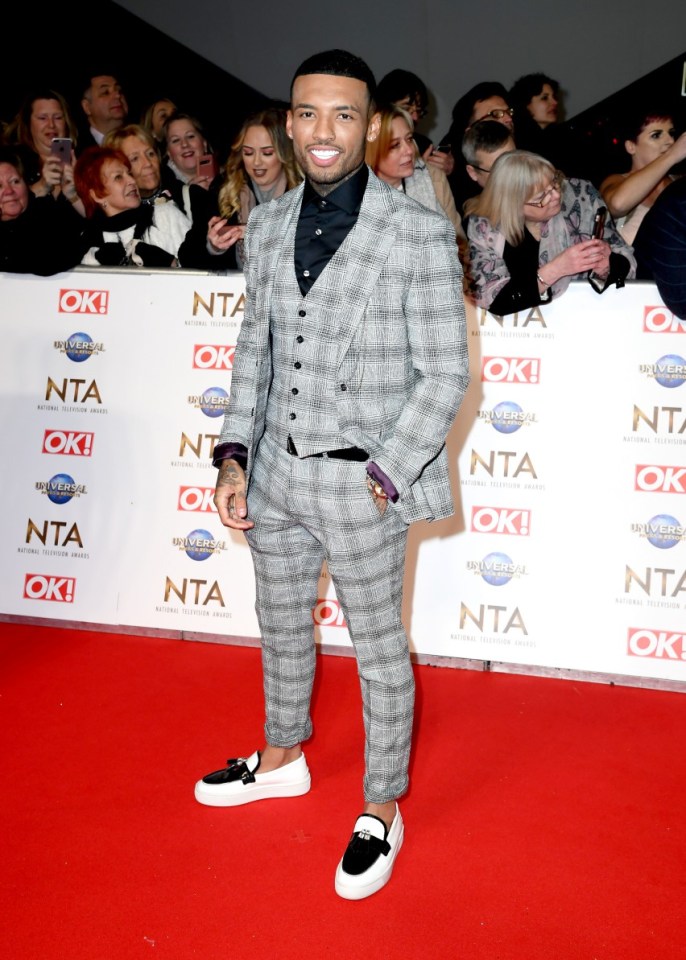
x=87 y=184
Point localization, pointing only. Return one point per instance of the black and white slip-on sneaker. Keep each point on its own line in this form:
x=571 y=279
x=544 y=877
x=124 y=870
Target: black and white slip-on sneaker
x=367 y=863
x=240 y=782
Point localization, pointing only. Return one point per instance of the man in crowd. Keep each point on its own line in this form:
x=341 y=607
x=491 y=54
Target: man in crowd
x=350 y=367
x=482 y=144
x=105 y=107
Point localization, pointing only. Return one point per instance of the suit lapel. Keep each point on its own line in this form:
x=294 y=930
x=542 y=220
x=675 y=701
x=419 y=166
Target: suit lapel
x=277 y=240
x=366 y=250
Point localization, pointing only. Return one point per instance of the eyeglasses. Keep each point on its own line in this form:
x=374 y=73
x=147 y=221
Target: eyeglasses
x=496 y=114
x=413 y=105
x=547 y=195
x=480 y=169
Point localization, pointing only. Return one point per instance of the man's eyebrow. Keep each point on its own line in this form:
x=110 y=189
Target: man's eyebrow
x=311 y=106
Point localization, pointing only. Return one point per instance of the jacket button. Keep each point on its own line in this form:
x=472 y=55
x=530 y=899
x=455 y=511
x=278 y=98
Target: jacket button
x=294 y=391
x=343 y=387
x=297 y=364
x=299 y=339
x=302 y=313
x=291 y=416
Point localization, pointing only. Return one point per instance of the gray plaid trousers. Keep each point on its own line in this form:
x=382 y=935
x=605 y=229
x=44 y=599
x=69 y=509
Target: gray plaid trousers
x=310 y=510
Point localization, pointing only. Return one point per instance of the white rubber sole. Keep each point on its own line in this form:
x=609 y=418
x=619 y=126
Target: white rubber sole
x=296 y=783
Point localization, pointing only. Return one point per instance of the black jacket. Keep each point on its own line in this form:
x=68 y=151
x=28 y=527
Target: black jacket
x=44 y=239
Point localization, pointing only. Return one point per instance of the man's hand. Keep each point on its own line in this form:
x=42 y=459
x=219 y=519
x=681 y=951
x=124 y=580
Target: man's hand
x=229 y=496
x=378 y=495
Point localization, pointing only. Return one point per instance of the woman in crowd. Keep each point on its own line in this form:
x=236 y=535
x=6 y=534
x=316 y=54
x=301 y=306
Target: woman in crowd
x=394 y=158
x=186 y=146
x=141 y=150
x=654 y=148
x=260 y=167
x=405 y=89
x=531 y=232
x=120 y=230
x=43 y=117
x=189 y=170
x=38 y=235
x=155 y=117
x=534 y=98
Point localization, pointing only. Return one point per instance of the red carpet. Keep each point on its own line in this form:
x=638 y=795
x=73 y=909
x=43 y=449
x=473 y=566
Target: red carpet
x=545 y=818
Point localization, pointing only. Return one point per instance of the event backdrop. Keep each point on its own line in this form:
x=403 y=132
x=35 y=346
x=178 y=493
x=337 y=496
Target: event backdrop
x=567 y=547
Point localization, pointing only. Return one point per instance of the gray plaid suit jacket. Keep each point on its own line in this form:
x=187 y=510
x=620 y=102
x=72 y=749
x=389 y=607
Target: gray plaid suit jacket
x=396 y=295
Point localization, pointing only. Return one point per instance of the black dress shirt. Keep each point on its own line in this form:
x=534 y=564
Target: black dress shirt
x=323 y=225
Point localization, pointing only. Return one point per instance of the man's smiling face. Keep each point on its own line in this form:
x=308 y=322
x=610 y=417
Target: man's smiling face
x=328 y=123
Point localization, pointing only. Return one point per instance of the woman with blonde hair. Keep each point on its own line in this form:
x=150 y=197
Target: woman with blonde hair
x=155 y=116
x=141 y=150
x=260 y=167
x=531 y=232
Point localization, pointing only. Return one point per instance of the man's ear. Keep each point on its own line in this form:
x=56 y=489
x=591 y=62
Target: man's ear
x=86 y=107
x=289 y=123
x=373 y=128
x=472 y=173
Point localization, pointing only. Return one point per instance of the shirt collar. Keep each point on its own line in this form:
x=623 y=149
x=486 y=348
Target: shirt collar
x=347 y=196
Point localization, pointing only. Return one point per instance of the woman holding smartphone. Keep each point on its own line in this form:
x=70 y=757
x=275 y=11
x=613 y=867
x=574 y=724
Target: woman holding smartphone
x=46 y=134
x=260 y=167
x=39 y=235
x=188 y=153
x=531 y=232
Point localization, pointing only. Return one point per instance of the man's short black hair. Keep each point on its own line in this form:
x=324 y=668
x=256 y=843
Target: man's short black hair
x=338 y=63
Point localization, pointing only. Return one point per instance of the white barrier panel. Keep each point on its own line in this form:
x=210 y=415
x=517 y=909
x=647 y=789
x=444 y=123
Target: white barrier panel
x=567 y=549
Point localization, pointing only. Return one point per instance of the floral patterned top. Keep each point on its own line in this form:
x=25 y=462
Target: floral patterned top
x=489 y=275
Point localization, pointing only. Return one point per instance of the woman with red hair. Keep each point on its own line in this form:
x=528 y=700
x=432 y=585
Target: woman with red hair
x=120 y=230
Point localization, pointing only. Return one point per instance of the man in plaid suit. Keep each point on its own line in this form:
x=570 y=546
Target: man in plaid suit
x=350 y=366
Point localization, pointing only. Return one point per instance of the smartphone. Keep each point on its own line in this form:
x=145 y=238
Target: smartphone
x=599 y=223
x=61 y=147
x=207 y=166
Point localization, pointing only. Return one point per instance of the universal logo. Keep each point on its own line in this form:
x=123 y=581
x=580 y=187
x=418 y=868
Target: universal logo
x=79 y=347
